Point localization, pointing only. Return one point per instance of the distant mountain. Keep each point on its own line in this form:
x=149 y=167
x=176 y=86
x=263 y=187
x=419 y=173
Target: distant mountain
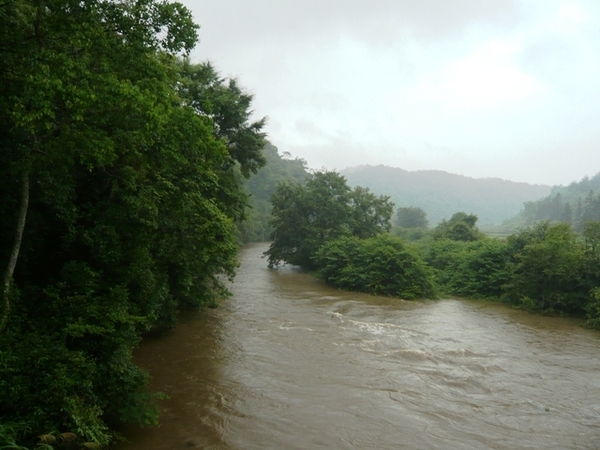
x=441 y=194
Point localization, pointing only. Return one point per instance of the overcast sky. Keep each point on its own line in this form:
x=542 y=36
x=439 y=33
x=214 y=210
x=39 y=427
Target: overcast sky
x=483 y=88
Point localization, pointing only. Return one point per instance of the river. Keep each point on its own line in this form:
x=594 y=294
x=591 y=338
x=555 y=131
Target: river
x=289 y=363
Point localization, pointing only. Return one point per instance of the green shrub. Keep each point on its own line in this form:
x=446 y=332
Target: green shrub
x=471 y=269
x=381 y=265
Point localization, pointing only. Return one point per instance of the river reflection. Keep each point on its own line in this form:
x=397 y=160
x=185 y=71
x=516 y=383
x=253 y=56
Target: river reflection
x=289 y=363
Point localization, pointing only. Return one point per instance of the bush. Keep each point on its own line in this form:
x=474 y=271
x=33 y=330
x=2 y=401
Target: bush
x=471 y=269
x=548 y=270
x=382 y=265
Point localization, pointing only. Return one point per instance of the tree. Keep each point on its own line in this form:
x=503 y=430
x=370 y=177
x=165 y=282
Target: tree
x=411 y=217
x=305 y=217
x=63 y=83
x=461 y=227
x=291 y=226
x=262 y=185
x=547 y=269
x=370 y=214
x=229 y=108
x=124 y=197
x=591 y=236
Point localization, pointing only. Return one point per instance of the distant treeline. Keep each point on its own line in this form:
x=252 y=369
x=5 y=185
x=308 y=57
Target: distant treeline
x=343 y=235
x=575 y=204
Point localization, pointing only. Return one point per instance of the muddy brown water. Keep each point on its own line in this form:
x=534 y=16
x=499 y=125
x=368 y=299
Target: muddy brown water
x=289 y=363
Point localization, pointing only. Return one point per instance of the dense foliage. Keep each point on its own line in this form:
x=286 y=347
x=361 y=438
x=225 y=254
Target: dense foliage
x=476 y=269
x=381 y=265
x=122 y=172
x=306 y=217
x=547 y=268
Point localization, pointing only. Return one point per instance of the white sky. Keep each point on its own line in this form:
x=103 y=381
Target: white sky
x=483 y=88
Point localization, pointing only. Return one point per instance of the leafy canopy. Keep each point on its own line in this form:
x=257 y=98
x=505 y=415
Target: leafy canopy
x=134 y=161
x=326 y=208
x=460 y=227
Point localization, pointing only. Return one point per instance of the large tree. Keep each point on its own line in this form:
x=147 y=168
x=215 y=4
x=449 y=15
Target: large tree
x=229 y=108
x=117 y=203
x=306 y=217
x=460 y=227
x=80 y=82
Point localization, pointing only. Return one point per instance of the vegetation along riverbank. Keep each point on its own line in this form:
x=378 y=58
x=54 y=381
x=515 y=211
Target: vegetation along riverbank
x=343 y=235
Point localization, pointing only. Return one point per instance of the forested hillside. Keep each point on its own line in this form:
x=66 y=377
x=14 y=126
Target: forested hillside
x=440 y=194
x=574 y=204
x=279 y=168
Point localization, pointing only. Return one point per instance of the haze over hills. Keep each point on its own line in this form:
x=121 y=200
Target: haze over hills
x=441 y=194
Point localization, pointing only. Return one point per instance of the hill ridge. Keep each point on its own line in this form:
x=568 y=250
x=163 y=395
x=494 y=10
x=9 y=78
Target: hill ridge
x=351 y=169
x=440 y=193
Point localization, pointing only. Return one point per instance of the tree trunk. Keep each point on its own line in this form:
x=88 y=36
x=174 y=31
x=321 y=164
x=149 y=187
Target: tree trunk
x=14 y=256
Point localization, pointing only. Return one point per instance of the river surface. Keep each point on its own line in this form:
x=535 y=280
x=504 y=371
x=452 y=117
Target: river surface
x=289 y=363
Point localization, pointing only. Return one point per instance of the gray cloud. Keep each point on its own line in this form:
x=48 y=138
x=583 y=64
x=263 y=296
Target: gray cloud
x=242 y=23
x=477 y=87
